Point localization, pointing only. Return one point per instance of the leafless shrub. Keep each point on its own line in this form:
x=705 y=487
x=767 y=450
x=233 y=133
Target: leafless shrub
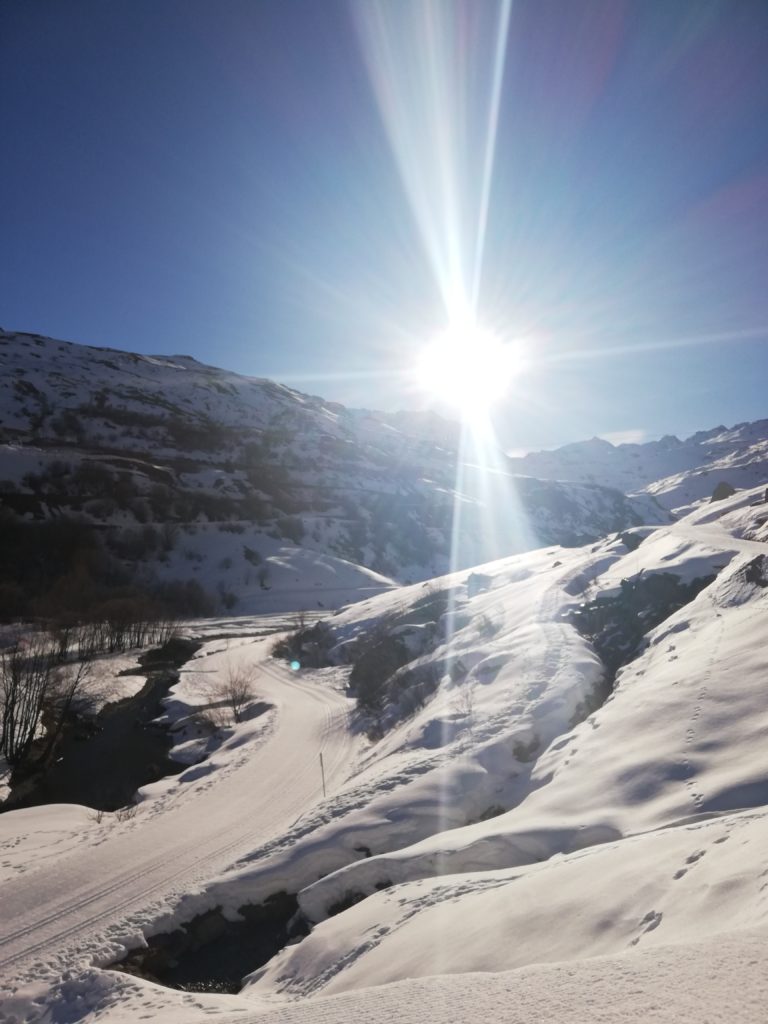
x=66 y=691
x=299 y=620
x=122 y=624
x=464 y=702
x=227 y=697
x=210 y=720
x=236 y=689
x=378 y=654
x=127 y=813
x=308 y=644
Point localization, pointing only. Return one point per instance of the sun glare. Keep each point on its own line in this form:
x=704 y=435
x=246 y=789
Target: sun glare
x=468 y=367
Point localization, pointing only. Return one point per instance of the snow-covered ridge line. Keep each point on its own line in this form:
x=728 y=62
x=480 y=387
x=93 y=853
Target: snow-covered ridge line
x=677 y=473
x=240 y=494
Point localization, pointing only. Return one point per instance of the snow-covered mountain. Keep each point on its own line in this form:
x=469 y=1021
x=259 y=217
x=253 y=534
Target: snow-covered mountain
x=677 y=473
x=532 y=788
x=190 y=473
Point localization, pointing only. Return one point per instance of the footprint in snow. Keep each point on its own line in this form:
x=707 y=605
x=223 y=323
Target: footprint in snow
x=652 y=920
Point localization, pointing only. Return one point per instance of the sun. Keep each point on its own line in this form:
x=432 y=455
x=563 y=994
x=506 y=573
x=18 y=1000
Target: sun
x=468 y=367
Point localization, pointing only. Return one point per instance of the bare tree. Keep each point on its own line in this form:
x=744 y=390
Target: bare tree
x=35 y=691
x=65 y=693
x=25 y=683
x=236 y=689
x=226 y=695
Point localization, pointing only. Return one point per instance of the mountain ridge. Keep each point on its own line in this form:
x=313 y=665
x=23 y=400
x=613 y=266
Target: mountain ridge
x=132 y=443
x=676 y=472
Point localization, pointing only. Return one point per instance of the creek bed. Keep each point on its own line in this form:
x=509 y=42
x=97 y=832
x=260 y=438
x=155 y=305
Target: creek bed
x=102 y=763
x=212 y=953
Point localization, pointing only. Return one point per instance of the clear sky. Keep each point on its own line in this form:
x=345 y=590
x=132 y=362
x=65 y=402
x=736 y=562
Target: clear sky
x=303 y=189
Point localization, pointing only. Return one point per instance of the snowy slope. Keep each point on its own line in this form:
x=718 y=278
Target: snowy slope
x=633 y=833
x=690 y=741
x=673 y=886
x=628 y=768
x=150 y=448
x=720 y=979
x=488 y=809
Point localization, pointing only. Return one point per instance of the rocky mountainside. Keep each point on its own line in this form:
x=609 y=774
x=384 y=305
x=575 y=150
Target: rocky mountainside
x=677 y=473
x=193 y=473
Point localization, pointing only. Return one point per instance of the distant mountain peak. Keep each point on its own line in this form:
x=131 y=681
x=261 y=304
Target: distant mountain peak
x=675 y=472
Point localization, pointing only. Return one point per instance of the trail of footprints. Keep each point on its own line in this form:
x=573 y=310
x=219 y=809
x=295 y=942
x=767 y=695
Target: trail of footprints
x=691 y=781
x=694 y=857
x=651 y=921
x=653 y=918
x=695 y=793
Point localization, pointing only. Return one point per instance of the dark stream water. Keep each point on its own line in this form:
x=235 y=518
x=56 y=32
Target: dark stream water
x=102 y=764
x=213 y=954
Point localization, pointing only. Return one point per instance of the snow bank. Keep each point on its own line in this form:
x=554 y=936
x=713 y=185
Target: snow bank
x=684 y=733
x=673 y=886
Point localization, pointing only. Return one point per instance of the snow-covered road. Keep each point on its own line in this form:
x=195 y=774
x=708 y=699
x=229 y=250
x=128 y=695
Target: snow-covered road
x=65 y=911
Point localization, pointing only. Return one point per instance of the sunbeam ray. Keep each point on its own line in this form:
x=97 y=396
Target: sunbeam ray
x=499 y=60
x=437 y=70
x=658 y=345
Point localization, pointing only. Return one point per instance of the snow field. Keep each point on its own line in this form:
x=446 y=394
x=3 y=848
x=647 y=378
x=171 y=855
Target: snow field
x=447 y=764
x=673 y=886
x=712 y=981
x=625 y=880
x=682 y=734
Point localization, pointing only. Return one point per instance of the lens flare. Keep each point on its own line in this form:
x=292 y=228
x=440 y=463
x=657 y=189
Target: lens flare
x=468 y=367
x=436 y=69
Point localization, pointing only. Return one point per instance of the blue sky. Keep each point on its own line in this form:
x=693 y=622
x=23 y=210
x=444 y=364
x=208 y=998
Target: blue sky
x=274 y=186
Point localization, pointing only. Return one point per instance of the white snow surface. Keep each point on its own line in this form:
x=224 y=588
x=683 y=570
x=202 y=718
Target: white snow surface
x=286 y=577
x=88 y=901
x=621 y=878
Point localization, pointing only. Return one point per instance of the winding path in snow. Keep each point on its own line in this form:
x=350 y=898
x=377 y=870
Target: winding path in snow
x=77 y=909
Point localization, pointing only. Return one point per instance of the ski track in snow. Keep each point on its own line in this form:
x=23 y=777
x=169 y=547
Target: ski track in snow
x=69 y=911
